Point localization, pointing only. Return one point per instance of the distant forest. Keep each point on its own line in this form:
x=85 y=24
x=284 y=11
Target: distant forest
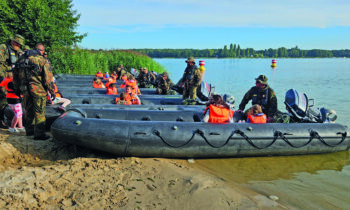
x=235 y=51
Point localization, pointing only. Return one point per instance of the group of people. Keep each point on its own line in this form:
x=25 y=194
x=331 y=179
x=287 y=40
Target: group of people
x=263 y=110
x=26 y=80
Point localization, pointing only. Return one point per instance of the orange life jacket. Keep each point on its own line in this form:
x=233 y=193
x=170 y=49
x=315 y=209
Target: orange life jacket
x=99 y=74
x=111 y=91
x=132 y=98
x=57 y=94
x=10 y=92
x=108 y=84
x=95 y=85
x=257 y=119
x=219 y=114
x=125 y=102
x=105 y=76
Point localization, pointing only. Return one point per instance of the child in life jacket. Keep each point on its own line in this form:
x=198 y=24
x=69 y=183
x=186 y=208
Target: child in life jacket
x=132 y=97
x=97 y=83
x=256 y=115
x=105 y=76
x=112 y=89
x=99 y=74
x=14 y=101
x=58 y=99
x=133 y=83
x=109 y=82
x=122 y=100
x=218 y=111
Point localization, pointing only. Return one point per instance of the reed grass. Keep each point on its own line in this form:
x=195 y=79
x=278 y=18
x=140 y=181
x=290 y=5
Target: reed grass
x=84 y=61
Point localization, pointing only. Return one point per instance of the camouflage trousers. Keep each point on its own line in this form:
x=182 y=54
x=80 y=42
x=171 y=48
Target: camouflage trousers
x=189 y=92
x=34 y=118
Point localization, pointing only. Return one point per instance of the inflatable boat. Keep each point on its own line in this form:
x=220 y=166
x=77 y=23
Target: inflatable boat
x=174 y=134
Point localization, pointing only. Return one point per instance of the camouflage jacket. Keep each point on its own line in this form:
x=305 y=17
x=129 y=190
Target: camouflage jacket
x=36 y=78
x=192 y=75
x=144 y=79
x=164 y=84
x=5 y=60
x=266 y=98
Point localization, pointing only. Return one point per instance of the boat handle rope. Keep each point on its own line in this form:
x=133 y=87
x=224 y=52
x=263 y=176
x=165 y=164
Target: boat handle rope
x=278 y=134
x=157 y=133
x=314 y=134
x=241 y=133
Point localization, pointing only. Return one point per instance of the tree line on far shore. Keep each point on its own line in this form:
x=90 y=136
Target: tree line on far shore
x=235 y=51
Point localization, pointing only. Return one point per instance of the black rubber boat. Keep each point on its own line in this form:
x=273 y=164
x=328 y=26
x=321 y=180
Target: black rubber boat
x=99 y=91
x=145 y=134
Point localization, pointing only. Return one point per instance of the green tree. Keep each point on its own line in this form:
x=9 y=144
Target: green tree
x=238 y=52
x=51 y=22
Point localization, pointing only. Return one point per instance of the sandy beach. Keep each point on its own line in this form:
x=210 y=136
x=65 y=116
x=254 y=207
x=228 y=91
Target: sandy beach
x=51 y=175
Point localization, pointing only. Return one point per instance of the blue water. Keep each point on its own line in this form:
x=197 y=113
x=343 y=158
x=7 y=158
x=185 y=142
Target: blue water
x=312 y=181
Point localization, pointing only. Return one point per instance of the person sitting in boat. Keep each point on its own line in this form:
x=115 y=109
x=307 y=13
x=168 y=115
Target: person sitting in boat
x=132 y=97
x=99 y=74
x=263 y=95
x=97 y=83
x=131 y=82
x=145 y=78
x=109 y=82
x=114 y=73
x=105 y=75
x=163 y=84
x=256 y=115
x=112 y=89
x=58 y=99
x=122 y=100
x=114 y=78
x=218 y=111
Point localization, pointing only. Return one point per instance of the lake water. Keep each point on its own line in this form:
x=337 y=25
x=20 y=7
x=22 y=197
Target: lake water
x=311 y=181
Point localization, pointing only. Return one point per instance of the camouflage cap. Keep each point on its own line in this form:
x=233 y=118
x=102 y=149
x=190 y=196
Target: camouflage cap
x=190 y=59
x=262 y=79
x=165 y=74
x=19 y=39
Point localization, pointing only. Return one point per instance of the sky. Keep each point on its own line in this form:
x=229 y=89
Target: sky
x=202 y=24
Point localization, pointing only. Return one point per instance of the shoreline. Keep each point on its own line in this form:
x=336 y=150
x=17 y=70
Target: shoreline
x=49 y=174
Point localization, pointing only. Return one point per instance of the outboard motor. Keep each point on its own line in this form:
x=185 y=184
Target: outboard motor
x=298 y=105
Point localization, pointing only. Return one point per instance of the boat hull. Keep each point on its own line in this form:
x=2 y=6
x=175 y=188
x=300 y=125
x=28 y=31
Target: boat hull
x=174 y=139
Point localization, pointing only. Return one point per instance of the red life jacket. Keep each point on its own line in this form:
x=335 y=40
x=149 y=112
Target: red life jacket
x=257 y=119
x=10 y=92
x=219 y=114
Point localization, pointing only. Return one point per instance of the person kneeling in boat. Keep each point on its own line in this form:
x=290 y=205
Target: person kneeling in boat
x=163 y=85
x=122 y=100
x=256 y=115
x=97 y=83
x=218 y=111
x=58 y=99
x=112 y=89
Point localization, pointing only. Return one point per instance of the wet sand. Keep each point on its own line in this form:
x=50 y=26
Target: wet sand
x=48 y=174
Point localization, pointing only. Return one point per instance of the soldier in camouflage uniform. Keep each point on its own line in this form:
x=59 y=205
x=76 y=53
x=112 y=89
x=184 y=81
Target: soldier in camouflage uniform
x=263 y=95
x=33 y=78
x=9 y=53
x=190 y=80
x=120 y=71
x=145 y=78
x=164 y=84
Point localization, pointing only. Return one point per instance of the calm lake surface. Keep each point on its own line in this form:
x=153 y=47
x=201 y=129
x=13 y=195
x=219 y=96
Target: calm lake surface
x=310 y=181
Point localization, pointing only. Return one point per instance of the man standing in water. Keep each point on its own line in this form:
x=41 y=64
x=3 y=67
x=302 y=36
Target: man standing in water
x=190 y=80
x=33 y=78
x=262 y=95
